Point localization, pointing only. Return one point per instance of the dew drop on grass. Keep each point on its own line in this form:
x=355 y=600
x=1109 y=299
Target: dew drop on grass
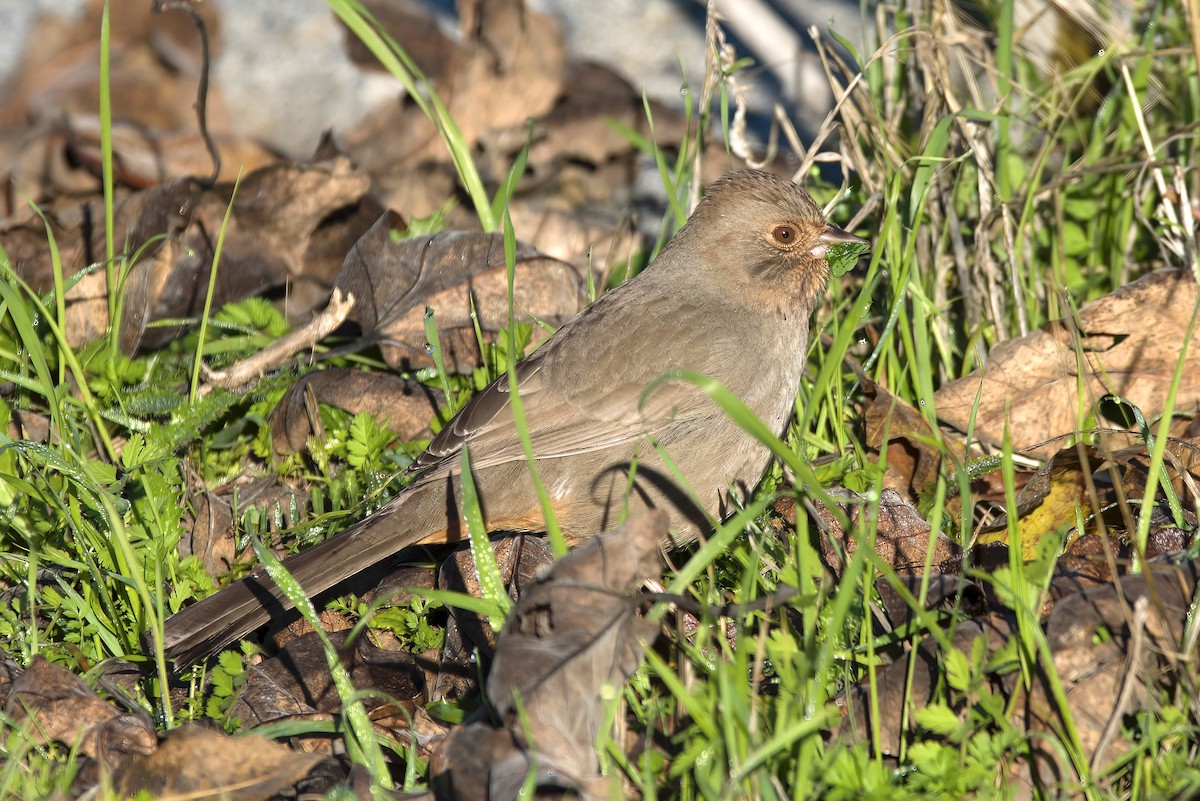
x=1101 y=52
x=429 y=348
x=428 y=312
x=922 y=401
x=683 y=90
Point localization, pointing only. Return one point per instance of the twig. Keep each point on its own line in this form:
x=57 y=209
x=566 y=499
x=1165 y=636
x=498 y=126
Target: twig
x=1168 y=211
x=1141 y=610
x=201 y=106
x=281 y=349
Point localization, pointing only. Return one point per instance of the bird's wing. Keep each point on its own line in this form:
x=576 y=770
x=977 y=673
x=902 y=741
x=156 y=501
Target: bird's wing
x=579 y=394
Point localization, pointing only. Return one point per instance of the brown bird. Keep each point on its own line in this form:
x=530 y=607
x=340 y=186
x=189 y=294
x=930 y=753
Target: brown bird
x=729 y=297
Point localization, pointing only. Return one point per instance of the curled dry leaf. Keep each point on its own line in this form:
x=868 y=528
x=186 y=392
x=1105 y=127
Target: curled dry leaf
x=1127 y=344
x=197 y=762
x=573 y=633
x=452 y=272
x=54 y=705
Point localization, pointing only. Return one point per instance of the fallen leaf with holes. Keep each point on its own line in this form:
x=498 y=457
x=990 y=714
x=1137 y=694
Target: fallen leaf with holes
x=573 y=633
x=197 y=762
x=457 y=274
x=1128 y=344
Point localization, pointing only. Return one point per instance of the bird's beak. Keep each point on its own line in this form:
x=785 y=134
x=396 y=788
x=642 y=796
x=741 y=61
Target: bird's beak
x=835 y=236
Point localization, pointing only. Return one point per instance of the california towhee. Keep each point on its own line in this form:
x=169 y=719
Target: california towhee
x=729 y=298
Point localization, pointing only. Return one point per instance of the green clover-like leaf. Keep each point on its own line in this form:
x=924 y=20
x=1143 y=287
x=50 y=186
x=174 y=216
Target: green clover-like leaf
x=844 y=255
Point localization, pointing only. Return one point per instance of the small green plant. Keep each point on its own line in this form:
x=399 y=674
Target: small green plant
x=226 y=679
x=417 y=624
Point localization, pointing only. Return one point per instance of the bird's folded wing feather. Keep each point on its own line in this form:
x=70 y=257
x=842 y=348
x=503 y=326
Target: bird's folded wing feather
x=568 y=406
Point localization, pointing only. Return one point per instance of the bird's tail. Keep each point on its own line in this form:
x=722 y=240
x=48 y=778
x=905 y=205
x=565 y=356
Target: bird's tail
x=233 y=612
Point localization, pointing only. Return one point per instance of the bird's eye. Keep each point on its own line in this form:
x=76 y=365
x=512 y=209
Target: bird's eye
x=784 y=234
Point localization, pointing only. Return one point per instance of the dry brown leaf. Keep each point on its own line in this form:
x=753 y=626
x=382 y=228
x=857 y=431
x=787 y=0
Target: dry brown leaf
x=28 y=425
x=62 y=157
x=298 y=677
x=1114 y=650
x=579 y=125
x=279 y=213
x=520 y=559
x=414 y=29
x=912 y=459
x=508 y=69
x=52 y=704
x=394 y=282
x=198 y=763
x=572 y=633
x=1130 y=342
x=155 y=64
x=901 y=537
x=1181 y=463
x=579 y=239
x=403 y=405
x=211 y=533
x=1054 y=498
x=155 y=67
x=898 y=693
